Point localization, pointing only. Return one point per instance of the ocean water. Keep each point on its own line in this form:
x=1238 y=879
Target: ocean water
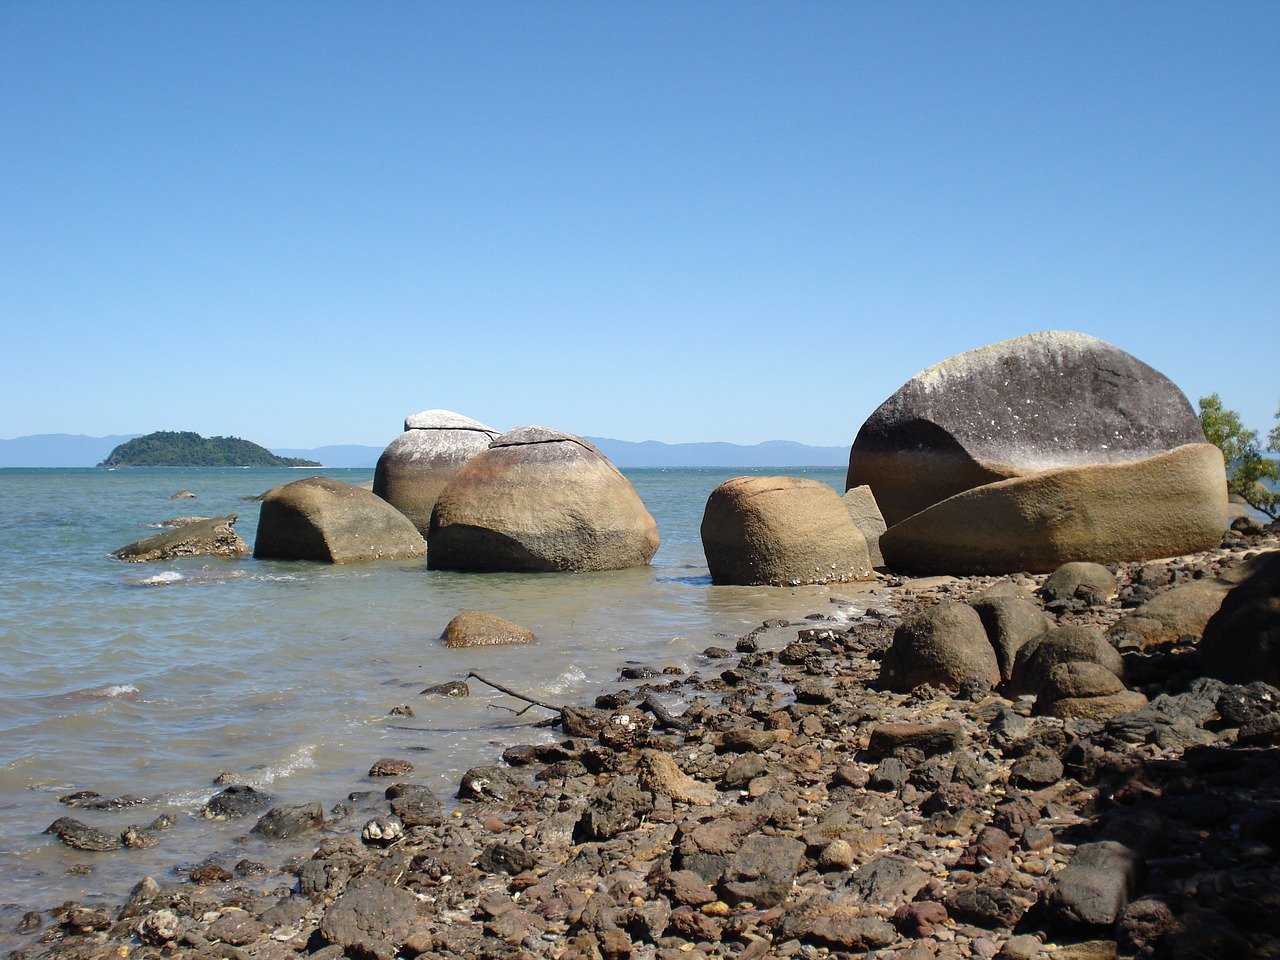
x=150 y=680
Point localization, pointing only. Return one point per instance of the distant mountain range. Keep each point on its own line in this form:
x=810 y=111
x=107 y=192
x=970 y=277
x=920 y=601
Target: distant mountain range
x=67 y=450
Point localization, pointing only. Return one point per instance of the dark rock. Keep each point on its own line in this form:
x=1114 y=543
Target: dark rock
x=506 y=858
x=920 y=919
x=450 y=688
x=1095 y=886
x=281 y=823
x=1143 y=924
x=926 y=739
x=1242 y=639
x=988 y=906
x=488 y=783
x=1039 y=768
x=390 y=767
x=370 y=919
x=1240 y=704
x=621 y=806
x=762 y=870
x=1067 y=644
x=237 y=800
x=415 y=804
x=81 y=836
x=884 y=882
x=839 y=926
x=942 y=645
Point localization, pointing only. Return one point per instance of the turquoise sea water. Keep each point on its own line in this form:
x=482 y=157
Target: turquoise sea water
x=152 y=679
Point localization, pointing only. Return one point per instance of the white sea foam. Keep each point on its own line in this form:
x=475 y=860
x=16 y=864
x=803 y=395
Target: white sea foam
x=159 y=579
x=117 y=690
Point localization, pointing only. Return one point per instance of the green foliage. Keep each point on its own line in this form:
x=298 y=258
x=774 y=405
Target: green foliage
x=168 y=448
x=1243 y=453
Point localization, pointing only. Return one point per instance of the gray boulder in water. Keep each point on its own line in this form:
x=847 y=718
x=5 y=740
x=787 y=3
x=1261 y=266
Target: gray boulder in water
x=324 y=519
x=420 y=462
x=1037 y=451
x=539 y=500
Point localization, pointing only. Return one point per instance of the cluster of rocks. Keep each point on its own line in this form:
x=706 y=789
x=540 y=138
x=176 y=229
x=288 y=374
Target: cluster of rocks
x=453 y=490
x=784 y=801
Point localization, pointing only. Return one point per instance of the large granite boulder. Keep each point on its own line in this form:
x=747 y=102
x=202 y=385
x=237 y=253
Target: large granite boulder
x=213 y=537
x=324 y=519
x=1015 y=409
x=420 y=462
x=1165 y=505
x=781 y=530
x=540 y=500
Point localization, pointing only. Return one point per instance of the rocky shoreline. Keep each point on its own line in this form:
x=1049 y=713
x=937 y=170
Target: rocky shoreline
x=778 y=802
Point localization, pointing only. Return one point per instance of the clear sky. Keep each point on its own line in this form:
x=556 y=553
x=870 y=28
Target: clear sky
x=299 y=222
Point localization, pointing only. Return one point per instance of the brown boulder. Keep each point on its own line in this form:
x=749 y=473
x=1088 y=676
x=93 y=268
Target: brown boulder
x=472 y=628
x=1182 y=610
x=333 y=522
x=1166 y=505
x=781 y=530
x=420 y=462
x=1061 y=645
x=540 y=500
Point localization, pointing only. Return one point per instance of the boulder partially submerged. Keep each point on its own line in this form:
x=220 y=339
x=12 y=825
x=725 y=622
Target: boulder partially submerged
x=781 y=530
x=540 y=500
x=1036 y=451
x=200 y=537
x=420 y=462
x=333 y=522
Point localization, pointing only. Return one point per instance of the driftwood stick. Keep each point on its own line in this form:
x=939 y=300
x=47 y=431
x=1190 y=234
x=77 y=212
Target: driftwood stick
x=665 y=717
x=511 y=693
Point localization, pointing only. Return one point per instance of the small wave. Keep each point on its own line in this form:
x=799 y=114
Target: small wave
x=167 y=576
x=570 y=679
x=118 y=690
x=302 y=759
x=206 y=575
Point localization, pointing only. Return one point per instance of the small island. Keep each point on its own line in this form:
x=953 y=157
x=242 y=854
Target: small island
x=169 y=448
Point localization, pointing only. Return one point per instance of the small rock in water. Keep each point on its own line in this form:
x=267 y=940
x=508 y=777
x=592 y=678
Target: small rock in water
x=390 y=767
x=238 y=800
x=281 y=823
x=135 y=838
x=475 y=629
x=450 y=688
x=207 y=873
x=81 y=836
x=182 y=495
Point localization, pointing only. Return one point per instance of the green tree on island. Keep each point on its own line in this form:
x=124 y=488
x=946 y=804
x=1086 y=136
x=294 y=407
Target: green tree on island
x=169 y=448
x=1247 y=467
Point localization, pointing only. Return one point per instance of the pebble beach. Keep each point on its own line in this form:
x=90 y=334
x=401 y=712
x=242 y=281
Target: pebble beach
x=777 y=801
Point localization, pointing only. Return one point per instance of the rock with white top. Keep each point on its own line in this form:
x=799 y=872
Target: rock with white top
x=420 y=462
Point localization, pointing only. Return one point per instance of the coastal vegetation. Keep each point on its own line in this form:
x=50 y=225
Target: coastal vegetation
x=169 y=448
x=1248 y=469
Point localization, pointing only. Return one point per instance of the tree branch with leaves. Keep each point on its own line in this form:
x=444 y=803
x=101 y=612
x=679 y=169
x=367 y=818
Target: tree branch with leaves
x=1247 y=468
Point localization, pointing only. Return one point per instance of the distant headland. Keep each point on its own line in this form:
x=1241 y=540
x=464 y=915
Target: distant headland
x=169 y=448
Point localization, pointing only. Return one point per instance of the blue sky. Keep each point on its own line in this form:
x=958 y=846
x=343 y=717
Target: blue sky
x=299 y=222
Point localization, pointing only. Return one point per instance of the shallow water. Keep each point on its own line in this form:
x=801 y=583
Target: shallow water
x=152 y=679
